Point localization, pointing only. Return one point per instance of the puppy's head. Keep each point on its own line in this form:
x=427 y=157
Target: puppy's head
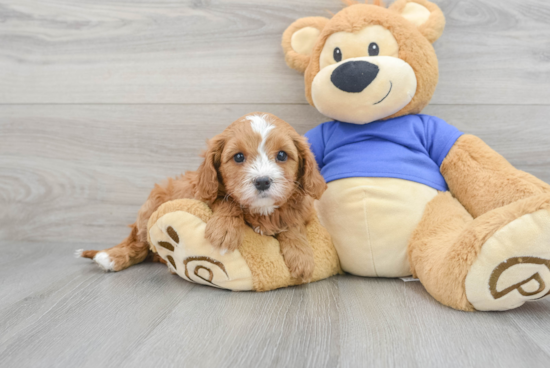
x=261 y=162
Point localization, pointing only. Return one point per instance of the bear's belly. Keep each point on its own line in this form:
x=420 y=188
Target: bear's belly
x=371 y=221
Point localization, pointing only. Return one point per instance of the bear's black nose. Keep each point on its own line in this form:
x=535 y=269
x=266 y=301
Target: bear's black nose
x=354 y=76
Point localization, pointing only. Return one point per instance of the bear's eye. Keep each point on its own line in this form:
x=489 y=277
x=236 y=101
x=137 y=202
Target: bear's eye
x=374 y=50
x=337 y=55
x=239 y=157
x=282 y=156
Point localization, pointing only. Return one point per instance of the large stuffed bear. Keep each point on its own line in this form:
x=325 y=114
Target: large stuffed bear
x=407 y=194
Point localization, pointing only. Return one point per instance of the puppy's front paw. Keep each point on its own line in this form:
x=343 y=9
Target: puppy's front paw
x=300 y=262
x=224 y=233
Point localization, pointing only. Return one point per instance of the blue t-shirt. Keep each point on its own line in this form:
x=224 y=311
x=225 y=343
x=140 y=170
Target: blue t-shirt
x=410 y=147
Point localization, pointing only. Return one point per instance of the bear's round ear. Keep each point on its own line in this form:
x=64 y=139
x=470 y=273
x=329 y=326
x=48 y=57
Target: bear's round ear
x=299 y=39
x=425 y=15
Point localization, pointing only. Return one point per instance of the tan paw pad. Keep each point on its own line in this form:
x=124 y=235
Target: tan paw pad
x=513 y=266
x=178 y=237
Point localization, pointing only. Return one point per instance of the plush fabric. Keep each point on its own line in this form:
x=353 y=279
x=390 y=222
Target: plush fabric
x=482 y=180
x=293 y=58
x=257 y=264
x=178 y=238
x=432 y=28
x=371 y=221
x=523 y=242
x=448 y=241
x=410 y=147
x=414 y=48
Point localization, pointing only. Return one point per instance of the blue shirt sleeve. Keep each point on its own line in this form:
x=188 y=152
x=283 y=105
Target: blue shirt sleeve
x=317 y=144
x=440 y=137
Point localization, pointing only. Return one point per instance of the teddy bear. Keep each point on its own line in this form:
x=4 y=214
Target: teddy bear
x=408 y=194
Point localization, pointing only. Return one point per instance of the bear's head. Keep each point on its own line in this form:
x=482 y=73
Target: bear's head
x=368 y=62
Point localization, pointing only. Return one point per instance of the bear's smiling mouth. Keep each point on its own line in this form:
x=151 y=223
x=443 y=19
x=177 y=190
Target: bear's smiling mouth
x=387 y=94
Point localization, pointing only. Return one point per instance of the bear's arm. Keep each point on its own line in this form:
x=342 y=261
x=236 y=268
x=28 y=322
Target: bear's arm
x=483 y=180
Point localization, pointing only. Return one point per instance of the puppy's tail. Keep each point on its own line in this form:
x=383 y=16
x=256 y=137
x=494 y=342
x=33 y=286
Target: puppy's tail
x=85 y=253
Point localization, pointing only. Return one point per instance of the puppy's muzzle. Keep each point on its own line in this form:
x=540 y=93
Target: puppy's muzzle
x=263 y=183
x=354 y=76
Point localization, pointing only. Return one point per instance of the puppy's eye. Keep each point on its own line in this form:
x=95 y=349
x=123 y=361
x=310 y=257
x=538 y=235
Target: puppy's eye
x=282 y=156
x=374 y=50
x=239 y=157
x=337 y=54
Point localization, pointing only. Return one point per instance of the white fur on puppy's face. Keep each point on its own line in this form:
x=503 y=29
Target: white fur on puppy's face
x=262 y=166
x=259 y=138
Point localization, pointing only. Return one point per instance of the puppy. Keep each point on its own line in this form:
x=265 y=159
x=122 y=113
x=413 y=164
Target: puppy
x=259 y=172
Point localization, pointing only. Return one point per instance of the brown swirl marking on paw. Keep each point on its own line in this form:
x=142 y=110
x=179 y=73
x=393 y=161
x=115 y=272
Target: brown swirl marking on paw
x=200 y=267
x=171 y=260
x=166 y=245
x=173 y=234
x=210 y=273
x=497 y=272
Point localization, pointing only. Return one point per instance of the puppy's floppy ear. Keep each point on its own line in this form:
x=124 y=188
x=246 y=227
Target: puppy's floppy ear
x=208 y=181
x=425 y=15
x=299 y=39
x=309 y=176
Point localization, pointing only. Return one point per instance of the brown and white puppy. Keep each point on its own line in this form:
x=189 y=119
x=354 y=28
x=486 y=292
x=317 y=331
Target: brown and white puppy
x=259 y=172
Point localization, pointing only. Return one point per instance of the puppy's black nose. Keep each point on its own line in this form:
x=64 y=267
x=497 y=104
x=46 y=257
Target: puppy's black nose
x=262 y=183
x=354 y=76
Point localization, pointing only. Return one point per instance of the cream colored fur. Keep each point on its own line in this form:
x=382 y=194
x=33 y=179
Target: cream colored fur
x=371 y=221
x=193 y=253
x=523 y=240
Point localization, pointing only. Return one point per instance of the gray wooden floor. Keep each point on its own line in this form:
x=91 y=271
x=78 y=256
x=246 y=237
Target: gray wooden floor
x=101 y=99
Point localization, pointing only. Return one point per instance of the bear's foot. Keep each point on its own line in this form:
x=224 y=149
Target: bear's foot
x=513 y=266
x=176 y=233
